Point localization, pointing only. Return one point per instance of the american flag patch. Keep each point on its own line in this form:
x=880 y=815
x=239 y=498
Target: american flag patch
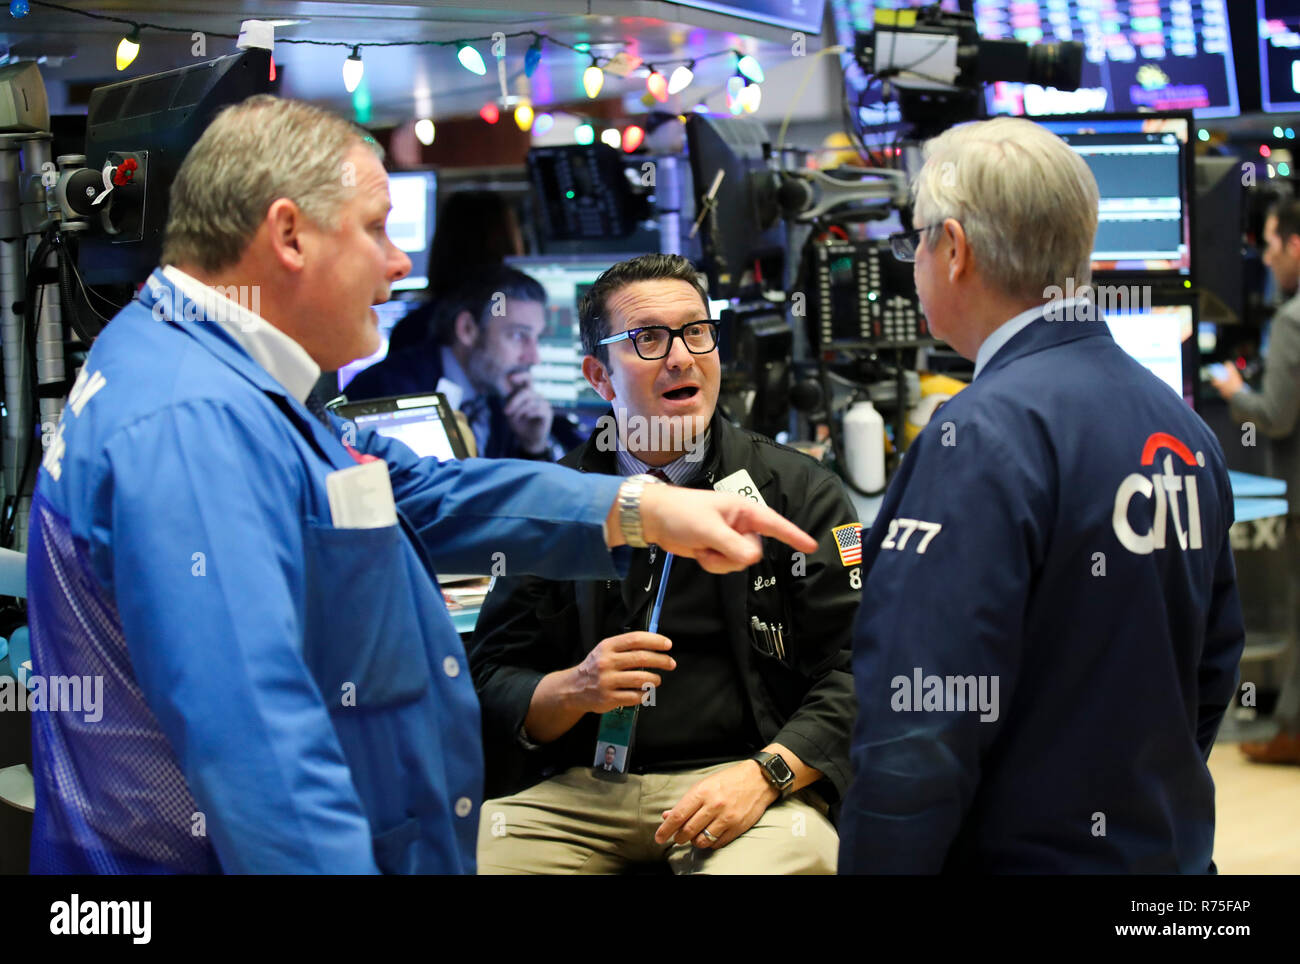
x=848 y=540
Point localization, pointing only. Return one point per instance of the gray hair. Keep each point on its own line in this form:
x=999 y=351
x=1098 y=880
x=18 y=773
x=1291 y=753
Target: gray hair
x=252 y=154
x=1027 y=202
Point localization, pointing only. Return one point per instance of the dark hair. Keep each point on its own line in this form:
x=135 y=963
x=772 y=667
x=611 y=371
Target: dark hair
x=476 y=229
x=476 y=293
x=647 y=267
x=1287 y=213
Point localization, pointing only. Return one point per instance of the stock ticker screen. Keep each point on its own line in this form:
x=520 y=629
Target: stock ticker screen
x=1279 y=54
x=1138 y=55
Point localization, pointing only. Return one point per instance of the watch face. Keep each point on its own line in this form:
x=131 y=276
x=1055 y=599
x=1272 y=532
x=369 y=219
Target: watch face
x=780 y=770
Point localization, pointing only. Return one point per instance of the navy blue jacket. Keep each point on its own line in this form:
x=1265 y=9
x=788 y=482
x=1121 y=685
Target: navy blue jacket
x=1059 y=530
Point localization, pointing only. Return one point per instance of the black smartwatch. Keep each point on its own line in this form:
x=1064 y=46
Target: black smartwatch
x=776 y=770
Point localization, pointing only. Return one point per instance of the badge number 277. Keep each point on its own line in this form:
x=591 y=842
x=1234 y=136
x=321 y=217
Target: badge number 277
x=900 y=531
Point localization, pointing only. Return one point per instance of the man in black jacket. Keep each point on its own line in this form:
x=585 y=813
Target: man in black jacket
x=737 y=713
x=483 y=344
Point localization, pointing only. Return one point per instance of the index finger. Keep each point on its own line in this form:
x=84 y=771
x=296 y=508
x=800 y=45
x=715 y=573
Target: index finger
x=762 y=520
x=641 y=640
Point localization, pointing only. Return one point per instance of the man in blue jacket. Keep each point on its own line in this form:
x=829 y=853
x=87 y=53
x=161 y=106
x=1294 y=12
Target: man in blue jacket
x=1050 y=629
x=283 y=688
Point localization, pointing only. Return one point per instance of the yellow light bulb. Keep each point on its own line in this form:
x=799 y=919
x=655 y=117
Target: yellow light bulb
x=127 y=48
x=593 y=78
x=524 y=116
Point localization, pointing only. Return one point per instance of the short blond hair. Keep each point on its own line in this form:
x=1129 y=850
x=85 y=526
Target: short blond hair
x=252 y=154
x=1027 y=202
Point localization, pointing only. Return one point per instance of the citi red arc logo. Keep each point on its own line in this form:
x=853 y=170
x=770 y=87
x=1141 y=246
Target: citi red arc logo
x=1162 y=487
x=1163 y=440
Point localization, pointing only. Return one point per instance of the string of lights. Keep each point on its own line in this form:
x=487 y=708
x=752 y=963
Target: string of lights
x=743 y=91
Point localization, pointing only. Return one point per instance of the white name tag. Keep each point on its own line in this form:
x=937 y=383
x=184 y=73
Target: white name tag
x=739 y=483
x=361 y=497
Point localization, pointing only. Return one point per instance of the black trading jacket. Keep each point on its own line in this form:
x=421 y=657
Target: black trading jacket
x=531 y=626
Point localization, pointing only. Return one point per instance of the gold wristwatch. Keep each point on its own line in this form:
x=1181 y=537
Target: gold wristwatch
x=629 y=509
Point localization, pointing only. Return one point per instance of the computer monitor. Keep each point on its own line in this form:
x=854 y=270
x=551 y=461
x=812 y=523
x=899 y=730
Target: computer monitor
x=1279 y=54
x=1154 y=336
x=153 y=121
x=1138 y=55
x=411 y=222
x=1220 y=216
x=389 y=313
x=1142 y=164
x=557 y=376
x=734 y=235
x=426 y=424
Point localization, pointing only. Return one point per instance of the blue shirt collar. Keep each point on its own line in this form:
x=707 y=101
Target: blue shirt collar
x=999 y=337
x=679 y=471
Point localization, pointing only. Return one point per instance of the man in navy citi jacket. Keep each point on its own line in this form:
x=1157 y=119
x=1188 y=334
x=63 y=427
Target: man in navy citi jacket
x=1050 y=628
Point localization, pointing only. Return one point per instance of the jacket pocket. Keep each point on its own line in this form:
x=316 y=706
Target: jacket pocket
x=362 y=640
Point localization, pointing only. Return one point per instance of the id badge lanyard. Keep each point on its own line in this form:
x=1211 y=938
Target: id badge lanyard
x=614 y=737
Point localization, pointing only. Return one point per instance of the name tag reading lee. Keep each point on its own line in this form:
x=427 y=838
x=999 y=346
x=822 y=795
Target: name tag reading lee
x=361 y=497
x=739 y=483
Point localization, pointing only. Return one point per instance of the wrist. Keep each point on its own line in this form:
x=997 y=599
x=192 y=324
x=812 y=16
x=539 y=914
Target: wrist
x=631 y=505
x=769 y=793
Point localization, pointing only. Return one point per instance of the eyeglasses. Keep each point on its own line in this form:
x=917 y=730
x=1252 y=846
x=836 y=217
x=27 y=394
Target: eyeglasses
x=905 y=243
x=656 y=341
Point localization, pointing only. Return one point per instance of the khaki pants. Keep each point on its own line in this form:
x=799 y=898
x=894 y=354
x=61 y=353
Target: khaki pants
x=578 y=823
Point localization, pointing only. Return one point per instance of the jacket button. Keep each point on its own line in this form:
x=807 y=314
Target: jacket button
x=463 y=807
x=451 y=667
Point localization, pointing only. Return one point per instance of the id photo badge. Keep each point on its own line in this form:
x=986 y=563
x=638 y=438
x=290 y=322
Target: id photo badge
x=613 y=740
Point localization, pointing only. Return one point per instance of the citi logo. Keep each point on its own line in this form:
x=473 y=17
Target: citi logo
x=1163 y=487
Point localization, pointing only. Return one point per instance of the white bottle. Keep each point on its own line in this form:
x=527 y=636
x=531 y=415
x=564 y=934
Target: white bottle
x=864 y=447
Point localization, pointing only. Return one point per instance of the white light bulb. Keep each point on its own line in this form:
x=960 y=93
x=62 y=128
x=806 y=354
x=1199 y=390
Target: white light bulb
x=682 y=78
x=353 y=68
x=424 y=131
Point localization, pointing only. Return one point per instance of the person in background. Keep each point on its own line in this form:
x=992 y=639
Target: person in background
x=1275 y=411
x=475 y=230
x=1050 y=626
x=481 y=358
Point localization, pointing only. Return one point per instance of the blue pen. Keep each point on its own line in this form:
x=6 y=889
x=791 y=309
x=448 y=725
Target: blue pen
x=659 y=596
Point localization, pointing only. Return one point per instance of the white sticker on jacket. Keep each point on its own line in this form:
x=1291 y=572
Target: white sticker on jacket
x=739 y=483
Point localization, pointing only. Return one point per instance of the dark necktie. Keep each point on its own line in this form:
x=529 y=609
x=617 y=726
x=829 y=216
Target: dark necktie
x=317 y=408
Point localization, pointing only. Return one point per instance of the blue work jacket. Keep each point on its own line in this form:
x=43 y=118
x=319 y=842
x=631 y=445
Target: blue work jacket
x=1050 y=629
x=280 y=695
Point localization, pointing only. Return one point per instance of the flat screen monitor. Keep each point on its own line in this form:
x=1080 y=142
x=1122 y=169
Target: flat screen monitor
x=1154 y=336
x=1279 y=54
x=725 y=154
x=153 y=121
x=411 y=222
x=389 y=314
x=1142 y=164
x=557 y=376
x=1157 y=55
